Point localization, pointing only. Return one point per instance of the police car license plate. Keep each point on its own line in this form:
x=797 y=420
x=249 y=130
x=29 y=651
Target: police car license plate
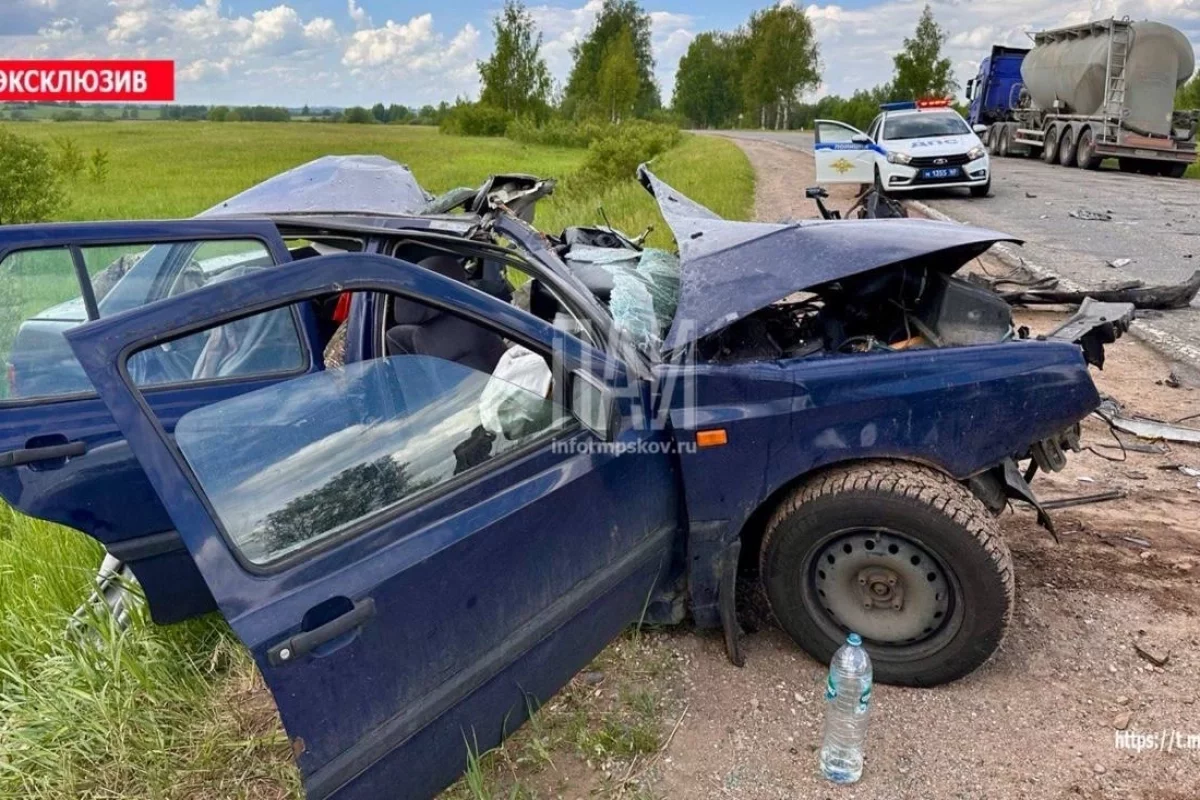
x=940 y=173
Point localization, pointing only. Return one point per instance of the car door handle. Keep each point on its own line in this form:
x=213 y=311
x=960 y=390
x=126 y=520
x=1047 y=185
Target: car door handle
x=31 y=455
x=301 y=644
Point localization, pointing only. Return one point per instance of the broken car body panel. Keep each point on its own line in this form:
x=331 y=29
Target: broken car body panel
x=731 y=269
x=459 y=610
x=333 y=184
x=427 y=626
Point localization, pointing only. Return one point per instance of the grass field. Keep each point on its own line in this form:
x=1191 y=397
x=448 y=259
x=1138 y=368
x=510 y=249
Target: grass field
x=178 y=712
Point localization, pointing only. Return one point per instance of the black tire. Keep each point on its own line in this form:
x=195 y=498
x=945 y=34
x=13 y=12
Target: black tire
x=1050 y=145
x=1085 y=153
x=1175 y=170
x=914 y=510
x=982 y=191
x=1066 y=148
x=992 y=142
x=1005 y=147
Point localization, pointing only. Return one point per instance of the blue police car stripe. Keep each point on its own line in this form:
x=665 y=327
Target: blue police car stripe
x=849 y=146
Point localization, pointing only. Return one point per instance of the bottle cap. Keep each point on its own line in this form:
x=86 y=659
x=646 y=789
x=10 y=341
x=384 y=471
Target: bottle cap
x=854 y=640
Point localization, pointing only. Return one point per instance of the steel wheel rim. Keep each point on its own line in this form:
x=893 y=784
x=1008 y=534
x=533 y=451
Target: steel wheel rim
x=836 y=593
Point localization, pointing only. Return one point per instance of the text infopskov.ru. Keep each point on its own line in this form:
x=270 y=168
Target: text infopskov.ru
x=638 y=447
x=1164 y=741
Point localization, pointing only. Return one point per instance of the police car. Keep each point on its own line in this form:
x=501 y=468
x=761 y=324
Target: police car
x=910 y=145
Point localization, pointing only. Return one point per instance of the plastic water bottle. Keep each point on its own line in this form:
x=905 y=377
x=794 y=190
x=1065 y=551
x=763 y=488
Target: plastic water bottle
x=847 y=707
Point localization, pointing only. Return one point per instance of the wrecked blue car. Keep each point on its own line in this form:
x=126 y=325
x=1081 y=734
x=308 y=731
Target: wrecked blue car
x=428 y=461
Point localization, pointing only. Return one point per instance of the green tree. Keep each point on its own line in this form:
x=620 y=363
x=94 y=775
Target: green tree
x=358 y=116
x=921 y=71
x=708 y=83
x=782 y=61
x=379 y=112
x=397 y=114
x=1188 y=95
x=582 y=95
x=306 y=111
x=29 y=186
x=515 y=78
x=218 y=114
x=617 y=83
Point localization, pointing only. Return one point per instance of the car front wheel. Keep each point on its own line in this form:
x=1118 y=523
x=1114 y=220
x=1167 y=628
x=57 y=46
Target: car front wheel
x=982 y=191
x=902 y=555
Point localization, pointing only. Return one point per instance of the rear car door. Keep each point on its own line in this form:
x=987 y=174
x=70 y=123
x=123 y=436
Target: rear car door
x=407 y=589
x=62 y=457
x=843 y=153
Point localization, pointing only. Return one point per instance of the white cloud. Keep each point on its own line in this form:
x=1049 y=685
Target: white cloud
x=273 y=53
x=358 y=15
x=857 y=45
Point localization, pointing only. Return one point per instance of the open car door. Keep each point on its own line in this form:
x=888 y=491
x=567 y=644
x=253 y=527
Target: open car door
x=843 y=153
x=408 y=588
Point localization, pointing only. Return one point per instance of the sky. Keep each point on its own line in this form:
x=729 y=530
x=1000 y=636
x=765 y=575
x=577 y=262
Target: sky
x=359 y=52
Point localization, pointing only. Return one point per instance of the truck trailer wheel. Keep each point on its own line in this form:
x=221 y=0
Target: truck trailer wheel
x=1066 y=148
x=902 y=555
x=1005 y=146
x=1085 y=154
x=1050 y=145
x=1175 y=170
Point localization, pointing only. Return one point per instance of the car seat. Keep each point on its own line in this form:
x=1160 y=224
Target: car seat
x=419 y=329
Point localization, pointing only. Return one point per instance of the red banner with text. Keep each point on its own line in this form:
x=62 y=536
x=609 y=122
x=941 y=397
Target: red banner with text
x=87 y=81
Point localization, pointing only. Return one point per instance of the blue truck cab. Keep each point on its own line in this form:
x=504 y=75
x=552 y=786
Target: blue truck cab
x=994 y=89
x=429 y=464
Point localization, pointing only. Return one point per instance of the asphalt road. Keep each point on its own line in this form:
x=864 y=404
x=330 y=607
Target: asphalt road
x=1155 y=223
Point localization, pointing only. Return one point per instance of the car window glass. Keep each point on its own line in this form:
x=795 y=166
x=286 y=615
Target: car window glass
x=39 y=300
x=827 y=132
x=922 y=124
x=299 y=461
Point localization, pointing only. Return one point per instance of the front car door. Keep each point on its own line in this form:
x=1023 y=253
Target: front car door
x=62 y=457
x=407 y=589
x=843 y=153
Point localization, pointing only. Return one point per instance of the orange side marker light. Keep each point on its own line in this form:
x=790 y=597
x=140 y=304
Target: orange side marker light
x=712 y=438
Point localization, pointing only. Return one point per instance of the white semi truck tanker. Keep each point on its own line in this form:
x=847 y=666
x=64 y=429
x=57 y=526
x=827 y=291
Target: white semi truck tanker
x=1084 y=93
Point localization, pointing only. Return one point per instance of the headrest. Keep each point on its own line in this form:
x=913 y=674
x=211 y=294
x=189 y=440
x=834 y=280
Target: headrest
x=407 y=312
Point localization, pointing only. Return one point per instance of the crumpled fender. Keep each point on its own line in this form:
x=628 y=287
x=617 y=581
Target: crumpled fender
x=731 y=269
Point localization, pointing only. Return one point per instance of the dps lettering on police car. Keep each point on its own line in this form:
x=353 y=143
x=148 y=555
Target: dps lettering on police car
x=910 y=146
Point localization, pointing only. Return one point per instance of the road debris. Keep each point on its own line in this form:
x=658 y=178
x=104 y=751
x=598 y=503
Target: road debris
x=1122 y=720
x=1163 y=298
x=1134 y=540
x=1144 y=427
x=1083 y=500
x=1118 y=263
x=1091 y=214
x=1158 y=656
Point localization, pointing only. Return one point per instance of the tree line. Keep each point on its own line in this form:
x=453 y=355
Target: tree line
x=756 y=75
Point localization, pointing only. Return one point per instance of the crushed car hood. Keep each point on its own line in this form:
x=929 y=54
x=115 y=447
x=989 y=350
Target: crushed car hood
x=731 y=269
x=333 y=184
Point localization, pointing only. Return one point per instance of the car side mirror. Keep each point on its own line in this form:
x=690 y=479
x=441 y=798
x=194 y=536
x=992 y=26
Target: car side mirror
x=860 y=138
x=980 y=128
x=593 y=404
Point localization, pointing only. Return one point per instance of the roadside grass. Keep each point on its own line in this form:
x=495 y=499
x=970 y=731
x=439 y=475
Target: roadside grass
x=180 y=711
x=602 y=735
x=1193 y=171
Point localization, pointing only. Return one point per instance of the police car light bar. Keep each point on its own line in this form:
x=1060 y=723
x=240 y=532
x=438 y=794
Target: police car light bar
x=942 y=102
x=898 y=105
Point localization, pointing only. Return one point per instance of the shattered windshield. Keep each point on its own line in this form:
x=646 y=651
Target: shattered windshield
x=640 y=288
